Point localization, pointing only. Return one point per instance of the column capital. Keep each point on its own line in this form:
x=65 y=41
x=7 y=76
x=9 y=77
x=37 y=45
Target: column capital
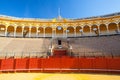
x=37 y=27
x=23 y=27
x=64 y=29
x=74 y=27
x=6 y=26
x=53 y=29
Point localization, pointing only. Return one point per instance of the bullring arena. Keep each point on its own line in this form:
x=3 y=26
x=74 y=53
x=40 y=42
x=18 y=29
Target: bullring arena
x=60 y=48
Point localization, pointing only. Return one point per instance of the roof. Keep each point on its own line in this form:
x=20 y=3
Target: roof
x=58 y=19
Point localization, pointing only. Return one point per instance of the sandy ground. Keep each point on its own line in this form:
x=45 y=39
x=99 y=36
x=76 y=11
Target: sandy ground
x=57 y=76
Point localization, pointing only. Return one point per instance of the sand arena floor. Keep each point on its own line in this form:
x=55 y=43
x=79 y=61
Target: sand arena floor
x=57 y=76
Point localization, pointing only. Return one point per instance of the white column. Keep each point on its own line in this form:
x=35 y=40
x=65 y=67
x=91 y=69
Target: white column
x=30 y=31
x=66 y=32
x=81 y=31
x=53 y=33
x=118 y=27
x=90 y=30
x=107 y=28
x=44 y=32
x=6 y=30
x=37 y=32
x=15 y=31
x=22 y=31
x=98 y=29
x=63 y=33
x=75 y=32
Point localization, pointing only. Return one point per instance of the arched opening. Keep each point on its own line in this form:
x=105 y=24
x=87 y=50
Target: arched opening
x=40 y=32
x=48 y=31
x=59 y=31
x=119 y=26
x=19 y=31
x=2 y=30
x=70 y=31
x=112 y=27
x=26 y=31
x=103 y=29
x=79 y=30
x=33 y=31
x=94 y=29
x=86 y=30
x=10 y=31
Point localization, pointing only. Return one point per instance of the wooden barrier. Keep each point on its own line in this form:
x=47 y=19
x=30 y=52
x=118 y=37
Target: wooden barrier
x=99 y=63
x=113 y=63
x=33 y=63
x=61 y=64
x=50 y=64
x=7 y=64
x=0 y=64
x=69 y=64
x=86 y=63
x=21 y=64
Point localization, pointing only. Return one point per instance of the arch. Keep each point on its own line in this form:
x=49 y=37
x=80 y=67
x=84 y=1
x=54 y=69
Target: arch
x=119 y=26
x=94 y=29
x=33 y=31
x=2 y=29
x=25 y=31
x=94 y=26
x=19 y=31
x=71 y=30
x=103 y=28
x=48 y=31
x=40 y=30
x=59 y=30
x=112 y=27
x=78 y=28
x=86 y=29
x=10 y=31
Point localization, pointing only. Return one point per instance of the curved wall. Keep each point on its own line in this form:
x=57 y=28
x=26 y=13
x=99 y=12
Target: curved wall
x=69 y=28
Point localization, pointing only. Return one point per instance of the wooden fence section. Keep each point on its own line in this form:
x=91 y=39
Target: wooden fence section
x=61 y=64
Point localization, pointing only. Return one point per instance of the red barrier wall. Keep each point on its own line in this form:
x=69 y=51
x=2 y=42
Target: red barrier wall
x=33 y=63
x=39 y=63
x=21 y=63
x=69 y=63
x=51 y=63
x=65 y=63
x=99 y=63
x=113 y=63
x=7 y=64
x=0 y=64
x=86 y=63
